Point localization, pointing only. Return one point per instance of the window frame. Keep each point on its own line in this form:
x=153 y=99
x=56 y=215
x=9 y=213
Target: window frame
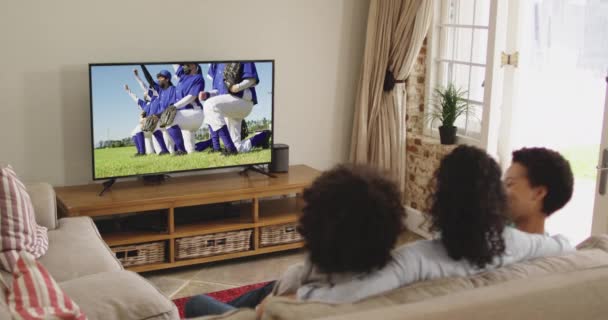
x=435 y=36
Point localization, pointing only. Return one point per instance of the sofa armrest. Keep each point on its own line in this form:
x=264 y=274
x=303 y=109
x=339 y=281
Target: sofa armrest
x=119 y=295
x=45 y=205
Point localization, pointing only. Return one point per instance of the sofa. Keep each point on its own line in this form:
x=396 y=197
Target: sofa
x=571 y=286
x=87 y=270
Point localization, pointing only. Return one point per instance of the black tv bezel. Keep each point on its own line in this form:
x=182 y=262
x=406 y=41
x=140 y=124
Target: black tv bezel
x=174 y=62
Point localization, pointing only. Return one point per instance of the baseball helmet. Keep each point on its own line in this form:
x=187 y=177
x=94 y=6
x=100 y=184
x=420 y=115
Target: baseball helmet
x=164 y=73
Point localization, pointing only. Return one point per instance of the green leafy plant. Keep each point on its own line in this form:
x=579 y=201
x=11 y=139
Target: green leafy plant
x=448 y=104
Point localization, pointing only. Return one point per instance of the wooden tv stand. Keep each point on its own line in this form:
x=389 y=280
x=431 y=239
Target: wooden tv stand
x=259 y=198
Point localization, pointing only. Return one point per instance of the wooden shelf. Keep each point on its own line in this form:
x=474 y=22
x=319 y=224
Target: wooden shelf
x=244 y=221
x=201 y=228
x=281 y=247
x=279 y=211
x=133 y=237
x=181 y=196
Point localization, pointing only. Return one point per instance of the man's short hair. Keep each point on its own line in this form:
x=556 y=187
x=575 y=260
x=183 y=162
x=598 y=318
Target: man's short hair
x=550 y=169
x=351 y=220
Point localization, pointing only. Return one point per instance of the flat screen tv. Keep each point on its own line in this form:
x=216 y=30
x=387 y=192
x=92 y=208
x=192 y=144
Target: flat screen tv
x=159 y=118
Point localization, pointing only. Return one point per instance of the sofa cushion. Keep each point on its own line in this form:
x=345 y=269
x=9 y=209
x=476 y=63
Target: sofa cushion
x=580 y=294
x=76 y=249
x=35 y=295
x=18 y=228
x=119 y=295
x=282 y=308
x=45 y=203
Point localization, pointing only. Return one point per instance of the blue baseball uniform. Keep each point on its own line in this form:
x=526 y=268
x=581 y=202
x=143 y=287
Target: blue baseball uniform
x=216 y=71
x=189 y=85
x=159 y=100
x=165 y=98
x=189 y=117
x=225 y=109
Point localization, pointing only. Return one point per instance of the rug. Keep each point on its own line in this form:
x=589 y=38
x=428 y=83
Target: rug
x=223 y=296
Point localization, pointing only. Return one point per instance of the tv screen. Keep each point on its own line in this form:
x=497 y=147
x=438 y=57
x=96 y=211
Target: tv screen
x=158 y=118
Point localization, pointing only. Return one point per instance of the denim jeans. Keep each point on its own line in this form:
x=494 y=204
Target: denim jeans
x=203 y=305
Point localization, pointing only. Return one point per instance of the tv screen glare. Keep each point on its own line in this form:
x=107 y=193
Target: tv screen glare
x=159 y=118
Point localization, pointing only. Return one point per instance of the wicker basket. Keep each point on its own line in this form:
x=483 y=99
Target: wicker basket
x=213 y=244
x=138 y=254
x=285 y=233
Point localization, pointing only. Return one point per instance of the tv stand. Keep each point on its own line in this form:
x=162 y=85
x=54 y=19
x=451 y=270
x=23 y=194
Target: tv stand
x=107 y=185
x=253 y=168
x=185 y=208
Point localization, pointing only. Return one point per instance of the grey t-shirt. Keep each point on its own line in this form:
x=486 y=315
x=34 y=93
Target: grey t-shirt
x=413 y=262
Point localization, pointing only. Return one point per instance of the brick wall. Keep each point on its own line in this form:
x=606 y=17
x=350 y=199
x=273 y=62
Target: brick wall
x=423 y=157
x=423 y=153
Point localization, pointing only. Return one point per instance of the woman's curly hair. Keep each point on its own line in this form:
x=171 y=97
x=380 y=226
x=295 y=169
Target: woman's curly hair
x=469 y=206
x=351 y=219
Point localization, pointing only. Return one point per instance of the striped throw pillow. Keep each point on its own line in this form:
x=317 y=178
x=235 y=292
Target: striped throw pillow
x=34 y=294
x=18 y=228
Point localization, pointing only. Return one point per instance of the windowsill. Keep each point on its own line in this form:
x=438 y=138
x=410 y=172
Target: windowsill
x=432 y=137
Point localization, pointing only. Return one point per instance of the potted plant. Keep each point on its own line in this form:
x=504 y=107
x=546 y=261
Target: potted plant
x=448 y=104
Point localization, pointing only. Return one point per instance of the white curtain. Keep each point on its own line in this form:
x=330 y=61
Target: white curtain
x=396 y=30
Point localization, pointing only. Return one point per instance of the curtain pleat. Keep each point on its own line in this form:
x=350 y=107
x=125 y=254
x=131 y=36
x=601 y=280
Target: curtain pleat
x=396 y=30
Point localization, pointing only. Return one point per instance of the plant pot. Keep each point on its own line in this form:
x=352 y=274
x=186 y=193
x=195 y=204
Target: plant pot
x=447 y=135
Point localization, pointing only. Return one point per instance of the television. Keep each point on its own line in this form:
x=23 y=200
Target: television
x=164 y=117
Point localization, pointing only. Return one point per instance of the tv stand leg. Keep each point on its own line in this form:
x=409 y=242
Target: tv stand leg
x=107 y=185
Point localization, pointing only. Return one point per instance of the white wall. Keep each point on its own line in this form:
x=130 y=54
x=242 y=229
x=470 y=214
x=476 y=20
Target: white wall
x=47 y=45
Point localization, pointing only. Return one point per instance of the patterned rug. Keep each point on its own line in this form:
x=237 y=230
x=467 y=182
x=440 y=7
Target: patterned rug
x=224 y=295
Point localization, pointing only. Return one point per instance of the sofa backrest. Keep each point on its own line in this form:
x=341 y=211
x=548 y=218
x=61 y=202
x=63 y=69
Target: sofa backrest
x=580 y=294
x=590 y=256
x=45 y=204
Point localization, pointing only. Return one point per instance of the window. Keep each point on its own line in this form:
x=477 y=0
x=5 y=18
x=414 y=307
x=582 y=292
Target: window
x=459 y=47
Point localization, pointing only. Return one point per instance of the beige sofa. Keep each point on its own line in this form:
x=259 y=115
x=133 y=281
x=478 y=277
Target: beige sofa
x=88 y=271
x=572 y=286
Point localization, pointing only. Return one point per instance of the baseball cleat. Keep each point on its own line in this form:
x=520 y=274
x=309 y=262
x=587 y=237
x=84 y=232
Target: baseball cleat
x=227 y=153
x=180 y=153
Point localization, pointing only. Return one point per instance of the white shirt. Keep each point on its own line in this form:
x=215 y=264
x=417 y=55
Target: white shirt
x=426 y=260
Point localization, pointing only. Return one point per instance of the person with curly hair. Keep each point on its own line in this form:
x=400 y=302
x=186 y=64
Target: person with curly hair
x=468 y=209
x=539 y=182
x=350 y=222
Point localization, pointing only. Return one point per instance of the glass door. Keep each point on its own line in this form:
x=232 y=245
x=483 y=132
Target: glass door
x=555 y=96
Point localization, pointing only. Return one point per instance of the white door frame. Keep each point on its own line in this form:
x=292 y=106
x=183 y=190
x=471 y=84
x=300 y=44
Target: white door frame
x=600 y=211
x=511 y=77
x=494 y=77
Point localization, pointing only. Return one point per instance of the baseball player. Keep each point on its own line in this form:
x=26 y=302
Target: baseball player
x=145 y=105
x=166 y=96
x=189 y=116
x=228 y=103
x=161 y=93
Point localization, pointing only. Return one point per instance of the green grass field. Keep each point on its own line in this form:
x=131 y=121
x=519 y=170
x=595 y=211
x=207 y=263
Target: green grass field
x=115 y=162
x=583 y=160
